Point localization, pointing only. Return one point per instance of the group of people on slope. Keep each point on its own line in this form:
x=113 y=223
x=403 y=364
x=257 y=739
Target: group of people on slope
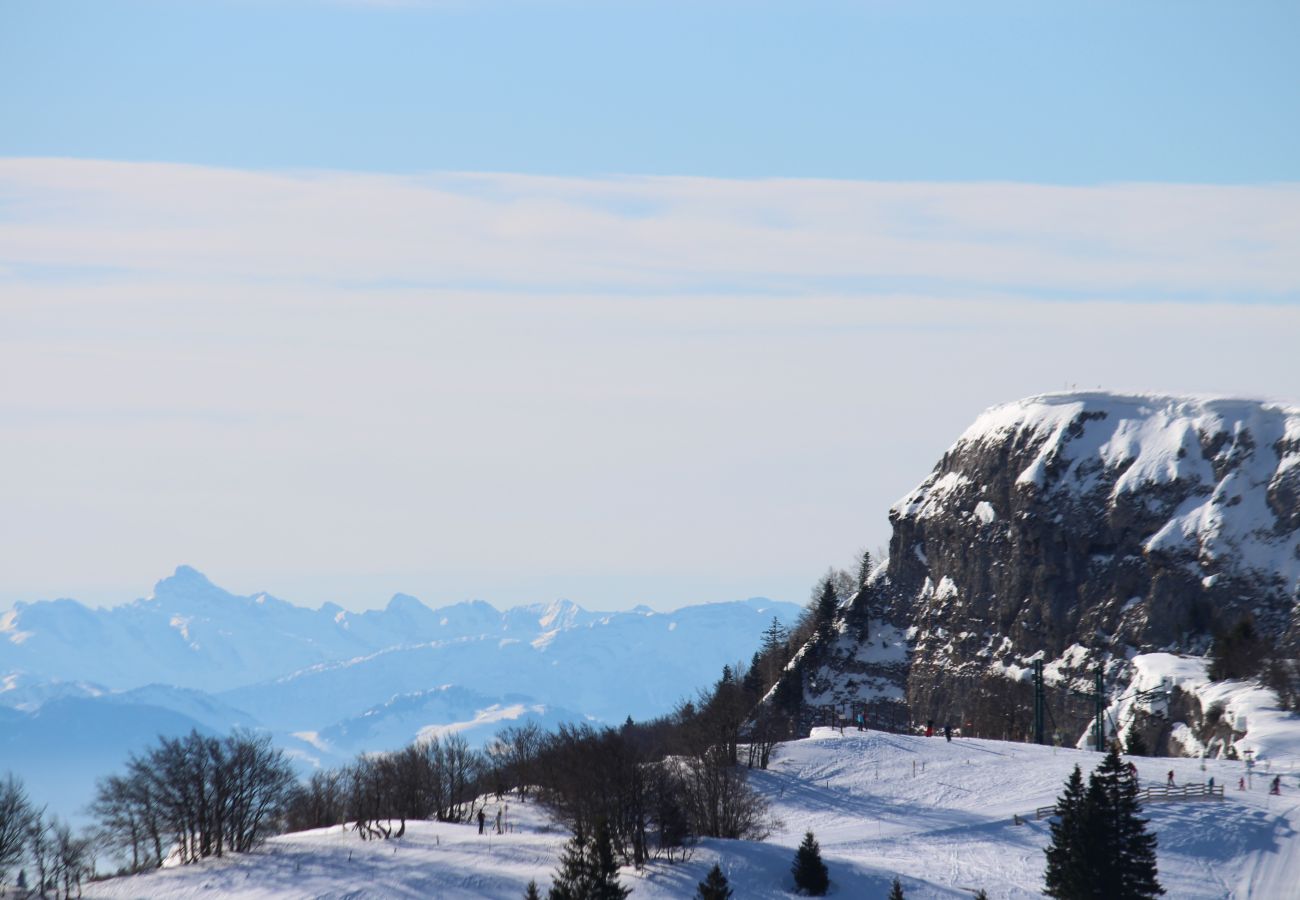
x=1274 y=786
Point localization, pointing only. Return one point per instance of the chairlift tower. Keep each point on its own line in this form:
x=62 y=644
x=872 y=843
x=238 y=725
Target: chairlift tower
x=1040 y=704
x=1098 y=696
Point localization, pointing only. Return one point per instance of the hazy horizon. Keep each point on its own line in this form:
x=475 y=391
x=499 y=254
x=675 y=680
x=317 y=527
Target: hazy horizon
x=628 y=303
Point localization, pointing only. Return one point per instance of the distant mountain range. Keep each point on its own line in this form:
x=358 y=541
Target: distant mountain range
x=81 y=688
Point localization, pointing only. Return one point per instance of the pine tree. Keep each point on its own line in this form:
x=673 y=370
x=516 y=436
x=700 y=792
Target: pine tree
x=531 y=893
x=1130 y=863
x=982 y=895
x=896 y=890
x=1100 y=846
x=827 y=605
x=1237 y=653
x=864 y=568
x=604 y=868
x=714 y=886
x=810 y=875
x=573 y=879
x=1136 y=745
x=1067 y=868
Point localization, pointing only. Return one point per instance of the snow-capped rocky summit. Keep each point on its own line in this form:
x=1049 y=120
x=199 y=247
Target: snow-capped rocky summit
x=1083 y=528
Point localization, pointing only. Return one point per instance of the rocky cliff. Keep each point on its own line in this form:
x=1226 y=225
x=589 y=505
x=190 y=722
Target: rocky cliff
x=1080 y=529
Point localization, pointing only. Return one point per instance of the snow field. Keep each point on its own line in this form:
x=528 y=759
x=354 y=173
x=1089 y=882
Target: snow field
x=946 y=832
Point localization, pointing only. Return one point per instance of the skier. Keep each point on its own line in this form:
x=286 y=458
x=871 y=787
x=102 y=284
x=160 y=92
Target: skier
x=1241 y=783
x=1171 y=778
x=1276 y=786
x=481 y=819
x=929 y=728
x=947 y=733
x=1211 y=784
x=1132 y=769
x=498 y=820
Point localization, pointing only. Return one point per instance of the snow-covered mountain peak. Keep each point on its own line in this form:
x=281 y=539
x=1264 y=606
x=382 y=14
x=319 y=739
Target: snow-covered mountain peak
x=559 y=614
x=1152 y=431
x=1081 y=528
x=1223 y=475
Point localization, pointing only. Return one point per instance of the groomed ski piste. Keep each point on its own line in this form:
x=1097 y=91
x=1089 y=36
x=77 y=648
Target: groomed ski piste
x=940 y=815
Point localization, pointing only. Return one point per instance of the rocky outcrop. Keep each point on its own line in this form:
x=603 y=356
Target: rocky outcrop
x=1081 y=529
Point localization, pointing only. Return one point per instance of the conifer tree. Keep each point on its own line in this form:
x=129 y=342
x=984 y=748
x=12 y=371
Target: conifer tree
x=1100 y=846
x=827 y=605
x=573 y=879
x=982 y=895
x=604 y=868
x=531 y=893
x=1128 y=862
x=810 y=875
x=1067 y=865
x=896 y=890
x=714 y=886
x=864 y=568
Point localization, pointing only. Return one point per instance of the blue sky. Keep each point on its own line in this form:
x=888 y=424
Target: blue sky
x=873 y=89
x=627 y=302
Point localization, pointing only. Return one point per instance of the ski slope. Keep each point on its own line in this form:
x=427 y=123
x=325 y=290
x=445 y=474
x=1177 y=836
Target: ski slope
x=946 y=831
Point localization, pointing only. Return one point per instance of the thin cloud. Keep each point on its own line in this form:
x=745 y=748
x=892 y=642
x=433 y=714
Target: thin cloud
x=616 y=234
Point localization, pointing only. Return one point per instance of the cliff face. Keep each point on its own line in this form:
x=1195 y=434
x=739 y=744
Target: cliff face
x=1083 y=528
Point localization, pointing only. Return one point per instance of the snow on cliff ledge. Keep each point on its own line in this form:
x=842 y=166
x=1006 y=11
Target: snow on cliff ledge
x=1241 y=459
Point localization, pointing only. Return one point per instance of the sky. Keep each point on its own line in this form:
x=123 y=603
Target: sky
x=622 y=302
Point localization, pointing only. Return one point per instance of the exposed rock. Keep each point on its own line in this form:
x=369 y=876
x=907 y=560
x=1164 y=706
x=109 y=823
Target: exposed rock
x=1078 y=529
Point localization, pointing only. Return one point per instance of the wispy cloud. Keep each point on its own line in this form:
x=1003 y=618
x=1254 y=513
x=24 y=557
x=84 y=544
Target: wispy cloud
x=535 y=233
x=621 y=390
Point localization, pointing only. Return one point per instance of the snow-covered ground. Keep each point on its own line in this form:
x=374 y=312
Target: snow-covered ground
x=937 y=814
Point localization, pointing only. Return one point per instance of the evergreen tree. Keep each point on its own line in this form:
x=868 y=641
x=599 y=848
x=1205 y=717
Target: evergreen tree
x=810 y=875
x=1238 y=652
x=531 y=893
x=1100 y=846
x=864 y=568
x=714 y=886
x=1129 y=862
x=896 y=890
x=604 y=868
x=752 y=683
x=1136 y=745
x=574 y=878
x=827 y=605
x=982 y=895
x=1067 y=867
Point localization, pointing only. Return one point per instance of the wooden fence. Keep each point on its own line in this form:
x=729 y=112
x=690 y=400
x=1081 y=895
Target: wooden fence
x=1161 y=794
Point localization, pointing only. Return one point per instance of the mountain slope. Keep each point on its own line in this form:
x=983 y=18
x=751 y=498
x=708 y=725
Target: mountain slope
x=1079 y=529
x=939 y=815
